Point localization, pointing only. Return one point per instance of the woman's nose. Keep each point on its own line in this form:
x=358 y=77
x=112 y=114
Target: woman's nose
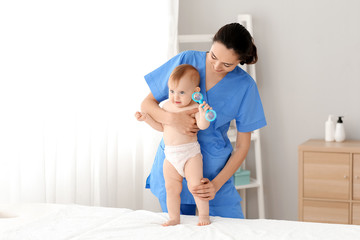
x=217 y=65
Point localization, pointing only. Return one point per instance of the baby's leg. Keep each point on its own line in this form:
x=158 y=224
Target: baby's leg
x=173 y=185
x=194 y=172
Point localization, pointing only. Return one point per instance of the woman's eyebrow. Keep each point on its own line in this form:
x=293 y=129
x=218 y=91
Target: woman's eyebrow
x=217 y=58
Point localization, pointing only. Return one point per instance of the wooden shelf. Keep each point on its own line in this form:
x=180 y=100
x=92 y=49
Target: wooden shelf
x=233 y=132
x=253 y=184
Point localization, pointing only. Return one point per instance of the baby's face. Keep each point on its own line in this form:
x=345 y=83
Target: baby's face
x=180 y=95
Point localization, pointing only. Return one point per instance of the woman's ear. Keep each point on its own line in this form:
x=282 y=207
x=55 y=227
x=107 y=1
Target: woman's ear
x=197 y=89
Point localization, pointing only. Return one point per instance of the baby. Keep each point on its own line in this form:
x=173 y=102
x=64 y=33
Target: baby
x=182 y=152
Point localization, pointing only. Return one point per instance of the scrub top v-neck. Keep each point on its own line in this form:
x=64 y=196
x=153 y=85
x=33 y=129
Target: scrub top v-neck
x=234 y=97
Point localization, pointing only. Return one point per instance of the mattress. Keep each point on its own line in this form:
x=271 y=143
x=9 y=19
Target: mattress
x=56 y=221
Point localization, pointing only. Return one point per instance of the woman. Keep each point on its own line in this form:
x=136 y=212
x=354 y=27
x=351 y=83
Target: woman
x=233 y=94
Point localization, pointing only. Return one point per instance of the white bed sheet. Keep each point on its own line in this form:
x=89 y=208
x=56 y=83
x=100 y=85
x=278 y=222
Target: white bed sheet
x=55 y=222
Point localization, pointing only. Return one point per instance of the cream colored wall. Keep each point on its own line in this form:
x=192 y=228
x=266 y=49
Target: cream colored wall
x=308 y=67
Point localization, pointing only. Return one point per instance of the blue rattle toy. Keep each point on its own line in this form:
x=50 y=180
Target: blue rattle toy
x=210 y=115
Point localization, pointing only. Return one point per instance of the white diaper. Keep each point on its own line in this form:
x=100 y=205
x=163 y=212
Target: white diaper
x=180 y=154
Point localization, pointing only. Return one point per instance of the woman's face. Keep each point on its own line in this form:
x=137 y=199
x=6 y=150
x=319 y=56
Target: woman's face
x=221 y=59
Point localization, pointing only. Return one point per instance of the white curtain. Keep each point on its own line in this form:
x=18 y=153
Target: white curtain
x=71 y=80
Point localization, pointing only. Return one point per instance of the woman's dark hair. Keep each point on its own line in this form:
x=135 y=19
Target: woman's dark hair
x=235 y=36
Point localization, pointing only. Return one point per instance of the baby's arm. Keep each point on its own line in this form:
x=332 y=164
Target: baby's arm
x=201 y=121
x=149 y=120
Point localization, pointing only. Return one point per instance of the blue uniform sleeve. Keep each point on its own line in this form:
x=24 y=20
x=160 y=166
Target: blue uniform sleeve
x=251 y=113
x=157 y=80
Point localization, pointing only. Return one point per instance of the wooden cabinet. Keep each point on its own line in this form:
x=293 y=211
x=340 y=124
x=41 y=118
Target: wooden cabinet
x=356 y=177
x=356 y=213
x=329 y=182
x=325 y=211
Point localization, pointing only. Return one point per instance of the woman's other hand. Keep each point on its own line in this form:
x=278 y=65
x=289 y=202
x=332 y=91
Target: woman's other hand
x=185 y=122
x=205 y=191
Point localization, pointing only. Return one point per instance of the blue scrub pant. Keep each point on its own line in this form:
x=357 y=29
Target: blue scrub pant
x=229 y=211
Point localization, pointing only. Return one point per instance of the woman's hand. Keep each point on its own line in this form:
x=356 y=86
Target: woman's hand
x=185 y=122
x=205 y=191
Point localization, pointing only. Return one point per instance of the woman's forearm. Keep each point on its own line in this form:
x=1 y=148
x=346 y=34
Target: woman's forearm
x=183 y=121
x=151 y=106
x=236 y=159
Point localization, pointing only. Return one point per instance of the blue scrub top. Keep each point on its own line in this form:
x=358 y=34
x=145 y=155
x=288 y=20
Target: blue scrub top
x=235 y=97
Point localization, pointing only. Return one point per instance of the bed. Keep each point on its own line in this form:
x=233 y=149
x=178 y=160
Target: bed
x=56 y=221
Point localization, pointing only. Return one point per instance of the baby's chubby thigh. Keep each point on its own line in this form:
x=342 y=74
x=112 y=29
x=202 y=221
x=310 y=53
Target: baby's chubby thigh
x=173 y=180
x=193 y=170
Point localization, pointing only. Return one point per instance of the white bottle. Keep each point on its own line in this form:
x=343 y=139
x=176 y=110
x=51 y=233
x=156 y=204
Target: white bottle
x=330 y=129
x=339 y=130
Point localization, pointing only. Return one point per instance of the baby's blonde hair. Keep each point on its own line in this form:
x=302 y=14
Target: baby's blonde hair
x=180 y=71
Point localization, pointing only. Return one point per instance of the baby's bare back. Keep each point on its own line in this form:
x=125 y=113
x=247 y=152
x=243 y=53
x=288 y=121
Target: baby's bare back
x=171 y=135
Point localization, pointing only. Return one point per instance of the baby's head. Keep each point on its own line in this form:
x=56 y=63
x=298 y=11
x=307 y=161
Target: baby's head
x=183 y=82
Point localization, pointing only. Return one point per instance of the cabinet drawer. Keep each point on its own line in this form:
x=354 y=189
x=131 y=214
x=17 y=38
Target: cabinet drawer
x=326 y=175
x=356 y=213
x=356 y=177
x=326 y=212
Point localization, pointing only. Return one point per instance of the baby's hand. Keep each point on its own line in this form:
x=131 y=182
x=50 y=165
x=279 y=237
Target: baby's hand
x=140 y=116
x=203 y=108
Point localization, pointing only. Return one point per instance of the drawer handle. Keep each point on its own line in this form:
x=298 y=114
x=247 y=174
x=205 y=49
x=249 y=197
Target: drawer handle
x=356 y=177
x=345 y=176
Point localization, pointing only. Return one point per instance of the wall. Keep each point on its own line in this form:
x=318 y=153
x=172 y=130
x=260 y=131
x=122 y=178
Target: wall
x=308 y=67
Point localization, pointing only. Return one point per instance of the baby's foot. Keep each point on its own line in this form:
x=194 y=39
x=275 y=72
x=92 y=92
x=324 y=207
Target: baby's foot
x=204 y=220
x=171 y=223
